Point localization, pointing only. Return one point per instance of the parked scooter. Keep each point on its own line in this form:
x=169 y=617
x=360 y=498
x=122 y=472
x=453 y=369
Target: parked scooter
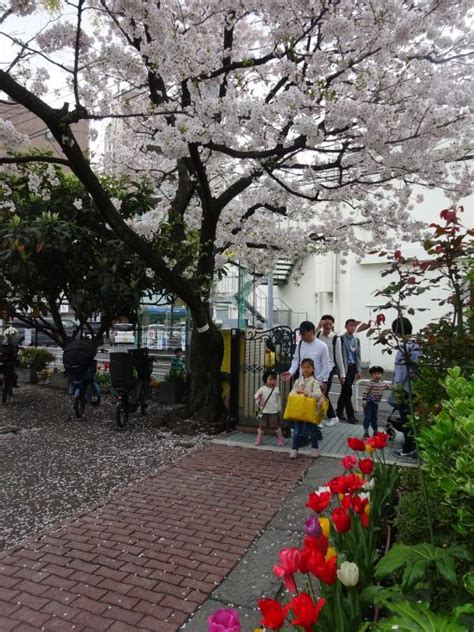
x=80 y=367
x=130 y=375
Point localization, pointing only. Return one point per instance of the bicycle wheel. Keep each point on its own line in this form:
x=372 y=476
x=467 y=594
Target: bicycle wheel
x=79 y=403
x=121 y=415
x=143 y=403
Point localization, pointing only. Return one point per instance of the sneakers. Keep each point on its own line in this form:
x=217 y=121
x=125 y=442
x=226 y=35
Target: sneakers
x=405 y=455
x=331 y=422
x=353 y=420
x=293 y=454
x=280 y=439
x=366 y=435
x=259 y=439
x=315 y=453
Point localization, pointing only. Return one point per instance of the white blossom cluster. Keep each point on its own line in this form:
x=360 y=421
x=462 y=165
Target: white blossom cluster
x=331 y=112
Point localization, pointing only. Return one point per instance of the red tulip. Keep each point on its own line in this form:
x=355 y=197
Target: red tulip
x=319 y=502
x=325 y=571
x=349 y=462
x=356 y=444
x=289 y=563
x=366 y=466
x=337 y=485
x=305 y=611
x=364 y=520
x=341 y=519
x=358 y=504
x=379 y=441
x=273 y=612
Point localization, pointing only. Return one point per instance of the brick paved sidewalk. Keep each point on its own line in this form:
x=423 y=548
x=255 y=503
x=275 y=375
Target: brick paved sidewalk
x=151 y=555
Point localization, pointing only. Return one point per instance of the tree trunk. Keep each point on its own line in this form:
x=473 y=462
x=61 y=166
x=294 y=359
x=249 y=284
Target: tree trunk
x=205 y=397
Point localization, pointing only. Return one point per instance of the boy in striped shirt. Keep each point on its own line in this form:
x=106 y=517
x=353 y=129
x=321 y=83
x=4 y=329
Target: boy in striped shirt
x=371 y=397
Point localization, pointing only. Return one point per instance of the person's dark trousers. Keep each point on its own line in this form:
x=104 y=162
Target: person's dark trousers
x=409 y=442
x=345 y=398
x=370 y=415
x=331 y=413
x=303 y=428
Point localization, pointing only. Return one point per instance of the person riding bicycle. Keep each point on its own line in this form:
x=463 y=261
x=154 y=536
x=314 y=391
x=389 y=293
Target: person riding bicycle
x=80 y=365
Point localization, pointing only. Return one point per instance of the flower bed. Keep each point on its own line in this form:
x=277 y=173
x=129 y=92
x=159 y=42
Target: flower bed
x=345 y=577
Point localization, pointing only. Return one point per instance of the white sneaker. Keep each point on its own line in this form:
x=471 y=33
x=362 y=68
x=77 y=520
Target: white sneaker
x=331 y=422
x=315 y=453
x=293 y=454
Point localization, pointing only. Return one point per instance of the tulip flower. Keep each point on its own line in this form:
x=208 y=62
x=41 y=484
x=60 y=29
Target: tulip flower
x=319 y=544
x=378 y=441
x=305 y=611
x=358 y=504
x=289 y=563
x=356 y=444
x=312 y=527
x=349 y=462
x=224 y=620
x=348 y=574
x=330 y=553
x=324 y=570
x=366 y=466
x=273 y=612
x=341 y=519
x=325 y=526
x=319 y=502
x=364 y=520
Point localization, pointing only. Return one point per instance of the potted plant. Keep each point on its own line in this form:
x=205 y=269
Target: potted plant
x=33 y=359
x=104 y=381
x=172 y=387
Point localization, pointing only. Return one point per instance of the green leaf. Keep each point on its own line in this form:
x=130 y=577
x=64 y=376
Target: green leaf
x=413 y=574
x=446 y=567
x=411 y=617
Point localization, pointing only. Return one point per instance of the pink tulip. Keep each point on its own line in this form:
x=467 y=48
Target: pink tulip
x=224 y=620
x=289 y=563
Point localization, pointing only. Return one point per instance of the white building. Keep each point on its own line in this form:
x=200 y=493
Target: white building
x=349 y=291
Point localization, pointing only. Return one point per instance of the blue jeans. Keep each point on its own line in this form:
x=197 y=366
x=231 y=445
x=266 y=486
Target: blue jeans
x=302 y=428
x=370 y=415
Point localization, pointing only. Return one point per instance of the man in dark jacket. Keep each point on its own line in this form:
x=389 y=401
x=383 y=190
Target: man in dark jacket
x=350 y=348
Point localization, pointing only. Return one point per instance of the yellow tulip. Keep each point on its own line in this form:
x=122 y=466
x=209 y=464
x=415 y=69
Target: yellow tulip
x=367 y=509
x=369 y=448
x=325 y=526
x=331 y=553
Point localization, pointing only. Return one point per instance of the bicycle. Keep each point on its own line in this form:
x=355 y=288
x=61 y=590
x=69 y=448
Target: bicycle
x=80 y=367
x=130 y=376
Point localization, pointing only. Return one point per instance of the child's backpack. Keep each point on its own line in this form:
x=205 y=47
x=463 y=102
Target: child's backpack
x=78 y=359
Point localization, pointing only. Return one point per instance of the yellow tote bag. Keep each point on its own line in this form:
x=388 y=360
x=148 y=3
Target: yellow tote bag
x=301 y=408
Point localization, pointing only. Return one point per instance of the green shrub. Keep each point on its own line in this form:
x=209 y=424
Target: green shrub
x=412 y=521
x=174 y=375
x=447 y=450
x=34 y=358
x=103 y=378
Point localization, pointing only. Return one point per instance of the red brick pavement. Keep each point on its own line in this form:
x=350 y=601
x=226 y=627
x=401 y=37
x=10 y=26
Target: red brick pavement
x=150 y=556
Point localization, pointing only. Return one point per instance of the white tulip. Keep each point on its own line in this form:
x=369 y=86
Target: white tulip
x=348 y=574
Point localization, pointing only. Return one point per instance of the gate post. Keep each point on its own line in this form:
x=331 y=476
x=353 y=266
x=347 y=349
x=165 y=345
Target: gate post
x=233 y=418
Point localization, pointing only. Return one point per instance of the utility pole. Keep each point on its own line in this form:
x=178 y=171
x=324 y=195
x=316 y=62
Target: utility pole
x=270 y=301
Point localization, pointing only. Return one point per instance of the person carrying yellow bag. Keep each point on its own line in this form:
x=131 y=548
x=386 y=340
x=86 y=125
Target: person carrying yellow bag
x=306 y=407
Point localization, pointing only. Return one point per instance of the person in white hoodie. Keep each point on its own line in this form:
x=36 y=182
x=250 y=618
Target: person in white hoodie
x=325 y=333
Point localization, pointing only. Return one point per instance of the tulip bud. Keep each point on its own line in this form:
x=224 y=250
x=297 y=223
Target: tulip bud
x=348 y=574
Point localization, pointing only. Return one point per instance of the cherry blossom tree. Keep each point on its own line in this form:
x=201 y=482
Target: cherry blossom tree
x=270 y=129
